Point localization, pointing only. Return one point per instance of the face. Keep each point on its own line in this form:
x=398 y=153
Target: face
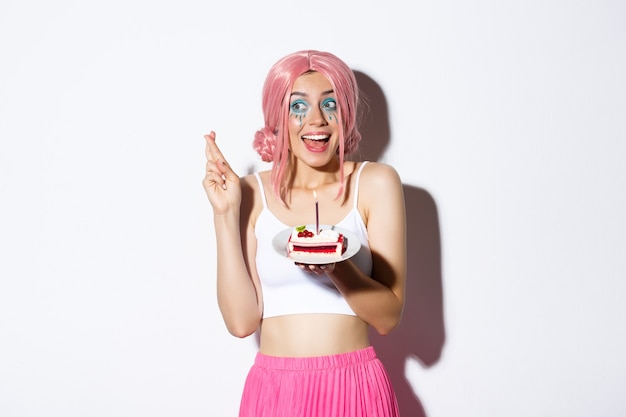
x=313 y=120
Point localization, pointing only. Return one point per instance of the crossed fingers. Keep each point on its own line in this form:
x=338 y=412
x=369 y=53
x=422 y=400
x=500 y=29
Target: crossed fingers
x=216 y=167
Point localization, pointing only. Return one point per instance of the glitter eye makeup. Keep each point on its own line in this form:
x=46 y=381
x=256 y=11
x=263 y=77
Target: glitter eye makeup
x=299 y=107
x=330 y=107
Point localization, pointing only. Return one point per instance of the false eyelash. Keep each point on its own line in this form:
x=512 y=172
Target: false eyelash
x=295 y=111
x=329 y=100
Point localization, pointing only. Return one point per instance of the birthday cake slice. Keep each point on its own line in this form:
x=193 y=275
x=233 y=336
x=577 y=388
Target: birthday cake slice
x=327 y=243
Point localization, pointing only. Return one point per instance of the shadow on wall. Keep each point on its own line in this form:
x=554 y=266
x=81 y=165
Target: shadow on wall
x=421 y=334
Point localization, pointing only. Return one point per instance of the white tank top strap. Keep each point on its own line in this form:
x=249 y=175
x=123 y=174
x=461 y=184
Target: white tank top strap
x=356 y=188
x=258 y=178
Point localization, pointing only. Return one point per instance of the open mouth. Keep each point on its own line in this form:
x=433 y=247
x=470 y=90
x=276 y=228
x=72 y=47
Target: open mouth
x=316 y=141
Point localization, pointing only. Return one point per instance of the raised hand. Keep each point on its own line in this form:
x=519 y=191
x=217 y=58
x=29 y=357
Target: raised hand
x=221 y=184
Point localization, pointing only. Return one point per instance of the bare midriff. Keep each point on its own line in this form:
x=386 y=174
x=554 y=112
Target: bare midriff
x=302 y=335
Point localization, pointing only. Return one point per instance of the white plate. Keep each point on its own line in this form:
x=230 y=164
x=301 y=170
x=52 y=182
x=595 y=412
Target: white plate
x=353 y=245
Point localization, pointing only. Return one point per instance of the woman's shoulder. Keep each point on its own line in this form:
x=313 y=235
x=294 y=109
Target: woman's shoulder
x=379 y=174
x=251 y=192
x=379 y=180
x=251 y=180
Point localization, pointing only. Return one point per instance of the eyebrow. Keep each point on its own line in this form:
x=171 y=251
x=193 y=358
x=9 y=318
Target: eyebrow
x=324 y=93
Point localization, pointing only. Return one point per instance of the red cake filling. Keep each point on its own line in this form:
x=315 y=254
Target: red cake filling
x=329 y=242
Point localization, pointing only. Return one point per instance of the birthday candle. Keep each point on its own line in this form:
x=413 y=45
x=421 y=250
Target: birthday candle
x=317 y=215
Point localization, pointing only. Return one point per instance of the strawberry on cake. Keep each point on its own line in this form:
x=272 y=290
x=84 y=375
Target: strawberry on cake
x=327 y=243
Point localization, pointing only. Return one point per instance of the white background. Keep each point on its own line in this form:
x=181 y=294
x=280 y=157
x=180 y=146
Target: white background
x=506 y=121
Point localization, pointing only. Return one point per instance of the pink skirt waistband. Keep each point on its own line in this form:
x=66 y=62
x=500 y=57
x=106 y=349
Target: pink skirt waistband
x=315 y=362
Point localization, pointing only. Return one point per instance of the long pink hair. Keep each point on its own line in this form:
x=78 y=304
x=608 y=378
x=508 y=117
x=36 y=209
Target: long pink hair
x=272 y=141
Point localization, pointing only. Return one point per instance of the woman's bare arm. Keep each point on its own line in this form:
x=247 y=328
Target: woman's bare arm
x=378 y=300
x=238 y=293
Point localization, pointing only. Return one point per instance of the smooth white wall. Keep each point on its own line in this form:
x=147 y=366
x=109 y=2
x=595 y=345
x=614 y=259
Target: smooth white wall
x=506 y=121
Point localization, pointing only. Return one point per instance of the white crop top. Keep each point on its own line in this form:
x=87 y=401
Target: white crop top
x=289 y=290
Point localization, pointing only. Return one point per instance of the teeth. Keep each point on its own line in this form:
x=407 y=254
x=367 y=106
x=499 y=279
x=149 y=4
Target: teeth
x=315 y=137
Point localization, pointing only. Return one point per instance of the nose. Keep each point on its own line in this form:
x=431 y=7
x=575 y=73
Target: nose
x=317 y=117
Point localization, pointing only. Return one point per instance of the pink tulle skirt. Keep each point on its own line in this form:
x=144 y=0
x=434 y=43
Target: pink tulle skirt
x=353 y=384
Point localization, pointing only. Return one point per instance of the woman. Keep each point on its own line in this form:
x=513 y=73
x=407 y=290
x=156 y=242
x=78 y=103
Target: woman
x=314 y=355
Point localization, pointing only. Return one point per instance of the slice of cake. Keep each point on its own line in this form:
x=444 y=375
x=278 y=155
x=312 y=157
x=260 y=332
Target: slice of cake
x=327 y=243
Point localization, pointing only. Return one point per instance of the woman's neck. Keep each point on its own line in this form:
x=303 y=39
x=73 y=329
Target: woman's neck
x=302 y=176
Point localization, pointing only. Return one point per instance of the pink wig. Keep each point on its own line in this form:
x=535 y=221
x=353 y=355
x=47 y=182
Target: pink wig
x=272 y=142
